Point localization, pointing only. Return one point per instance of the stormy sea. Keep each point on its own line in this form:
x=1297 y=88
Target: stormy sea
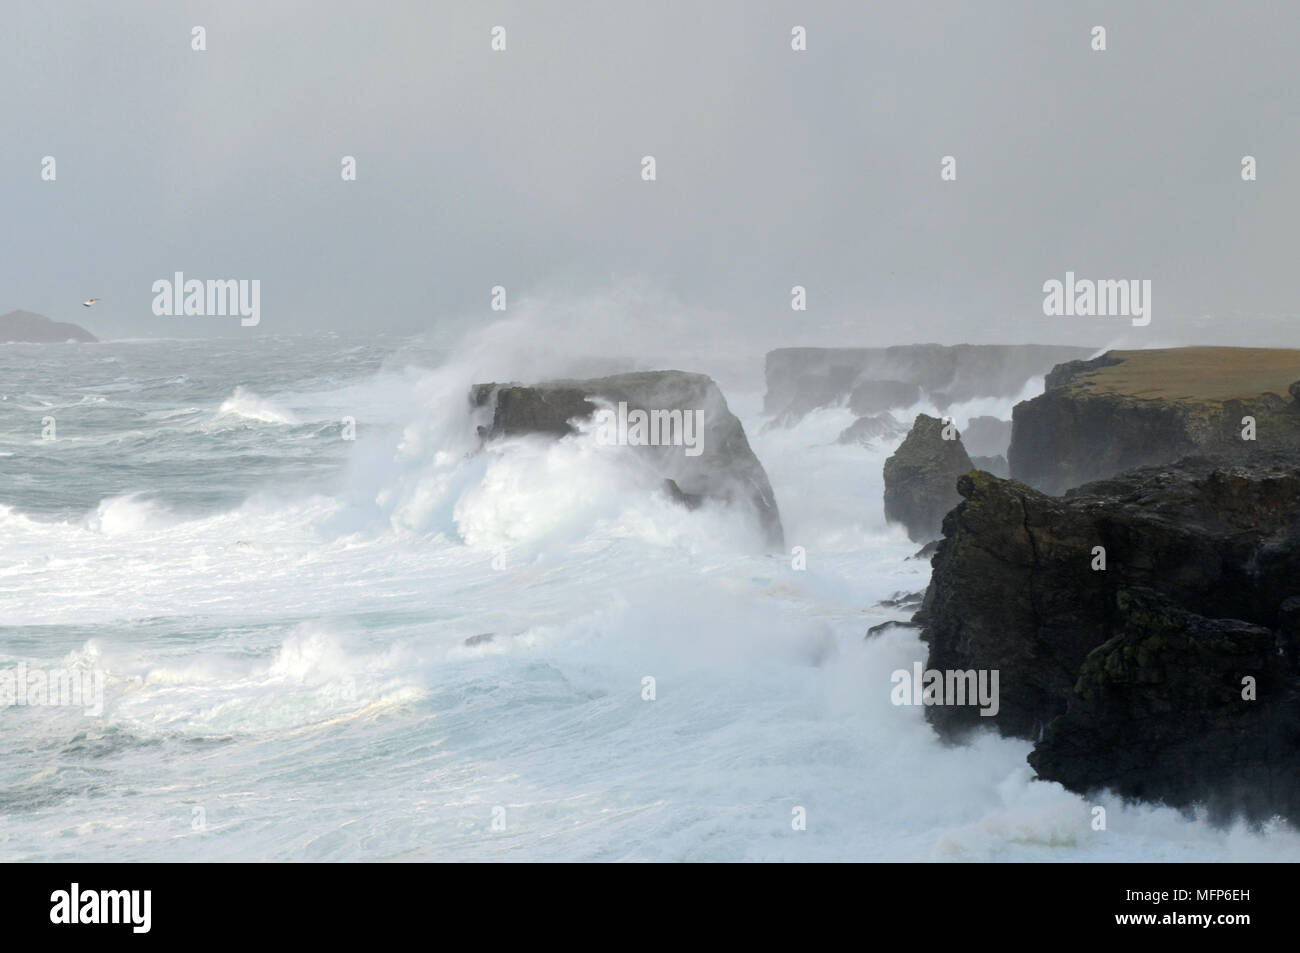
x=333 y=623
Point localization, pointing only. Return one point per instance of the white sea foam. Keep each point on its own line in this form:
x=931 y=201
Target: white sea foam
x=249 y=406
x=296 y=665
x=127 y=515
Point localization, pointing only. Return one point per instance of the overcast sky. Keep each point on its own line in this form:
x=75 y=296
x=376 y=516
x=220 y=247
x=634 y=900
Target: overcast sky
x=775 y=168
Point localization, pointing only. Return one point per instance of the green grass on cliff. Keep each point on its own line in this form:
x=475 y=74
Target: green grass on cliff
x=1197 y=373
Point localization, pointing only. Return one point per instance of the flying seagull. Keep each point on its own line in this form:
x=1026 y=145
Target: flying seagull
x=88 y=302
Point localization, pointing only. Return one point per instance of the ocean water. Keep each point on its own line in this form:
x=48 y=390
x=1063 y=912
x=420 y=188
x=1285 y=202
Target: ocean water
x=281 y=616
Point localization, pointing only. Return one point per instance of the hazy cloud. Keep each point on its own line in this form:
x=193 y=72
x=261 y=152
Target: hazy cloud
x=775 y=168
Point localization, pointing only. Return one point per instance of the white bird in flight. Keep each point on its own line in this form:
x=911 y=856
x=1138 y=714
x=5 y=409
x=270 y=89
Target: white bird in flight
x=88 y=302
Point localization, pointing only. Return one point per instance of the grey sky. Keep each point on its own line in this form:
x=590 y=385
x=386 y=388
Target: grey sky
x=775 y=168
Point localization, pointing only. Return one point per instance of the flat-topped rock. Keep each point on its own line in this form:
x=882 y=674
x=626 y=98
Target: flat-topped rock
x=724 y=469
x=1126 y=409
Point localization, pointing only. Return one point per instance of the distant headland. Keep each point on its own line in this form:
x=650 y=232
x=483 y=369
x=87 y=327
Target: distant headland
x=26 y=326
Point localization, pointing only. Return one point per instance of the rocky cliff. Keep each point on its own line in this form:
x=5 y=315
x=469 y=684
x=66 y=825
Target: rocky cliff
x=26 y=326
x=872 y=380
x=1138 y=408
x=724 y=470
x=1126 y=620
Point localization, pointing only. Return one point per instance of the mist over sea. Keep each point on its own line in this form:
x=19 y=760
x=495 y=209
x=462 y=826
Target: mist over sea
x=281 y=615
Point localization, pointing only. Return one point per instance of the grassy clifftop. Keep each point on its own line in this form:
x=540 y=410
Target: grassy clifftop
x=1127 y=409
x=1188 y=373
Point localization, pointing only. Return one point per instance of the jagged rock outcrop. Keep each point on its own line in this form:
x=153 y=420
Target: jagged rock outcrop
x=866 y=431
x=27 y=326
x=876 y=379
x=921 y=478
x=1162 y=712
x=724 y=470
x=1129 y=677
x=1140 y=408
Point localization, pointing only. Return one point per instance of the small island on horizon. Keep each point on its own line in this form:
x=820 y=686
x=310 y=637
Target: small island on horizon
x=28 y=327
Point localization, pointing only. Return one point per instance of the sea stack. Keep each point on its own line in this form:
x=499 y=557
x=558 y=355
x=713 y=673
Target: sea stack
x=721 y=468
x=921 y=477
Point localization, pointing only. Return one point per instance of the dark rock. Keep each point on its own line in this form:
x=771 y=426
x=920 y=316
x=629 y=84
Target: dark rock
x=1064 y=374
x=725 y=470
x=26 y=326
x=921 y=478
x=1202 y=562
x=542 y=409
x=927 y=551
x=481 y=639
x=903 y=600
x=1158 y=713
x=891 y=624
